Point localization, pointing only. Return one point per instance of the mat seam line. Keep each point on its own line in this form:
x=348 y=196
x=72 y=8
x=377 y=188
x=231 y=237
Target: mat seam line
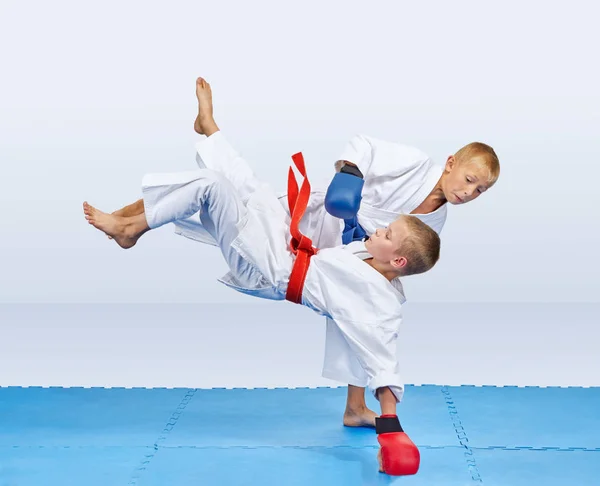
x=461 y=435
x=137 y=473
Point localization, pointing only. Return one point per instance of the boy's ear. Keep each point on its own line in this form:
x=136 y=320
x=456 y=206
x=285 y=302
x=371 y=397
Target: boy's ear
x=399 y=262
x=450 y=163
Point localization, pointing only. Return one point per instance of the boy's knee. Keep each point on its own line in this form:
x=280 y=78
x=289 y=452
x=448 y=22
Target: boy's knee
x=217 y=187
x=216 y=181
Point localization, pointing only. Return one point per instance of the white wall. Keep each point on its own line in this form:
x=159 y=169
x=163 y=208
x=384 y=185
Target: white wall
x=248 y=345
x=95 y=94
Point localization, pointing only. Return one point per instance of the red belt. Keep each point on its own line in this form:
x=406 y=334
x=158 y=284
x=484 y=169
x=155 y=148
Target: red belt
x=300 y=245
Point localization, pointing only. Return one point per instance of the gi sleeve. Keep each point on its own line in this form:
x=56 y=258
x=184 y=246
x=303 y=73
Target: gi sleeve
x=378 y=158
x=375 y=345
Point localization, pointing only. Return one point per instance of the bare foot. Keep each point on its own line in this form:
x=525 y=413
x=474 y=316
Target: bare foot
x=205 y=123
x=120 y=213
x=129 y=210
x=113 y=226
x=359 y=418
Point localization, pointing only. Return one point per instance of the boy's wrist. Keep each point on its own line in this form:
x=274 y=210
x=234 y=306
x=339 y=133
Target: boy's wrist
x=348 y=168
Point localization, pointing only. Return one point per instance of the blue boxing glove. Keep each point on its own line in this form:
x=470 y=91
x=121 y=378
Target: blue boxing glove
x=344 y=193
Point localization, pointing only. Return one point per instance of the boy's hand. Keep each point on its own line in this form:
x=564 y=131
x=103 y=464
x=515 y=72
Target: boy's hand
x=398 y=455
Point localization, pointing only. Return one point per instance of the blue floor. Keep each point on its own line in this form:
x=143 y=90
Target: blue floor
x=467 y=435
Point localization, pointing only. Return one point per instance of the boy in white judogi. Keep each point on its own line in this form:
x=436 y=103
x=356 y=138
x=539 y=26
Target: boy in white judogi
x=249 y=224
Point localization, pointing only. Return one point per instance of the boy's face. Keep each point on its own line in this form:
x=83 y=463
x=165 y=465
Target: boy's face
x=464 y=181
x=385 y=241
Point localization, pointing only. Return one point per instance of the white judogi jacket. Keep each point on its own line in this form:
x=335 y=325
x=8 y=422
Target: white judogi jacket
x=397 y=180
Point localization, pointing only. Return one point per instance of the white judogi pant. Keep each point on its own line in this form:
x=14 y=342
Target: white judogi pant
x=173 y=197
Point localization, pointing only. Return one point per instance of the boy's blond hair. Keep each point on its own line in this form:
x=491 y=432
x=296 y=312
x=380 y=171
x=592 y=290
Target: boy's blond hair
x=483 y=155
x=421 y=247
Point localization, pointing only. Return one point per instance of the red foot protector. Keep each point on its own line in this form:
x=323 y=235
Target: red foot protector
x=399 y=455
x=301 y=246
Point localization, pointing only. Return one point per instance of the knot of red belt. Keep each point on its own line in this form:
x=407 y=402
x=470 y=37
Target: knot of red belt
x=300 y=245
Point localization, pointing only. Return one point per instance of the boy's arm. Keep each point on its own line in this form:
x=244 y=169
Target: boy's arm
x=345 y=190
x=375 y=346
x=357 y=152
x=366 y=158
x=375 y=157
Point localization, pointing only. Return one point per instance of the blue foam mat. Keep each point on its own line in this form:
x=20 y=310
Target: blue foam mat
x=303 y=418
x=85 y=416
x=302 y=466
x=69 y=466
x=545 y=468
x=63 y=436
x=534 y=417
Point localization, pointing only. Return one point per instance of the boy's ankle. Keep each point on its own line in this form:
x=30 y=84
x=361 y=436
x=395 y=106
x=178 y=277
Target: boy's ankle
x=355 y=409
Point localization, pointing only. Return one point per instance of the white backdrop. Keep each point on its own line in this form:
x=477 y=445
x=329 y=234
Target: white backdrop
x=95 y=95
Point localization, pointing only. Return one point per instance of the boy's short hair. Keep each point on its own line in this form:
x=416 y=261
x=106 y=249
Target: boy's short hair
x=421 y=247
x=481 y=154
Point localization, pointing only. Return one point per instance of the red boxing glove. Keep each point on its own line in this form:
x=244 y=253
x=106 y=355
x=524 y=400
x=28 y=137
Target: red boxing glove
x=399 y=455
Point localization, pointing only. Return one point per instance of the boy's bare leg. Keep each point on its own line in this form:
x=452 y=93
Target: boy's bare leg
x=131 y=209
x=205 y=123
x=387 y=401
x=357 y=414
x=126 y=231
